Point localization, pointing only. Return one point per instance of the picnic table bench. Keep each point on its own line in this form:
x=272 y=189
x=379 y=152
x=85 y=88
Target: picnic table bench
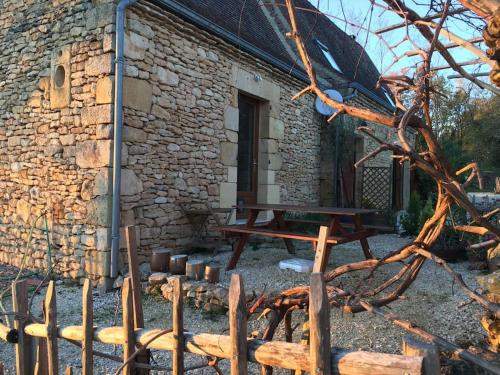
x=338 y=231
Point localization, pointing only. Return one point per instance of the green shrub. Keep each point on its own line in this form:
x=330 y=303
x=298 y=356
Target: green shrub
x=411 y=219
x=426 y=212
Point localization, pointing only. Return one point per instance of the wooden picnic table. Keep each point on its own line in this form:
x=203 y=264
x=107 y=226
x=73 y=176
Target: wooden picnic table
x=339 y=231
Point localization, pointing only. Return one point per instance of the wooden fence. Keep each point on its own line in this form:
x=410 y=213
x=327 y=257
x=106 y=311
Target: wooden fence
x=317 y=358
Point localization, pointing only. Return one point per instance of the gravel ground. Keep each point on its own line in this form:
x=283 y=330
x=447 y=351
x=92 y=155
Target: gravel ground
x=432 y=302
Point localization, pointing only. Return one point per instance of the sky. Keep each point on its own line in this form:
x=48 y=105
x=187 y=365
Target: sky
x=362 y=13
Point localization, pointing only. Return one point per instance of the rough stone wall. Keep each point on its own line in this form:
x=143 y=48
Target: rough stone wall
x=182 y=143
x=51 y=55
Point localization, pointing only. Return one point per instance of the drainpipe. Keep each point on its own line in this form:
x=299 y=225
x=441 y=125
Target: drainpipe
x=117 y=137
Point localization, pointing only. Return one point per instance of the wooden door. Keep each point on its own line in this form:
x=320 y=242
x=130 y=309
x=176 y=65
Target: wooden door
x=248 y=140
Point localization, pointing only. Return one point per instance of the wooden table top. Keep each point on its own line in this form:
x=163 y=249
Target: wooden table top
x=309 y=209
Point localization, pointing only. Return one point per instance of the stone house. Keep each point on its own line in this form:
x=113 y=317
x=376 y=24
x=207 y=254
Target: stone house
x=208 y=117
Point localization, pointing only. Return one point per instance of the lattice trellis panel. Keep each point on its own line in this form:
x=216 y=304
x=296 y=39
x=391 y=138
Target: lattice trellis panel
x=377 y=184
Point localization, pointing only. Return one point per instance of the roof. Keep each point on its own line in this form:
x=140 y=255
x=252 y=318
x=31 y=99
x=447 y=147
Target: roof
x=244 y=24
x=352 y=58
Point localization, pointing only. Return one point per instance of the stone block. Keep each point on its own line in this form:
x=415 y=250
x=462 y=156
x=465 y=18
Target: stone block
x=137 y=94
x=94 y=154
x=86 y=191
x=167 y=77
x=268 y=146
x=227 y=194
x=23 y=210
x=100 y=64
x=232 y=136
x=267 y=177
x=99 y=114
x=130 y=183
x=271 y=161
x=60 y=77
x=67 y=140
x=232 y=174
x=103 y=182
x=104 y=131
x=135 y=135
x=229 y=153
x=103 y=239
x=104 y=92
x=140 y=28
x=231 y=118
x=99 y=211
x=263 y=88
x=135 y=46
x=98 y=263
x=275 y=129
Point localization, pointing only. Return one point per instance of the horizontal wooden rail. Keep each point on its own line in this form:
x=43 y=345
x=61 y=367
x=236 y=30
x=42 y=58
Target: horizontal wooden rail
x=8 y=334
x=272 y=353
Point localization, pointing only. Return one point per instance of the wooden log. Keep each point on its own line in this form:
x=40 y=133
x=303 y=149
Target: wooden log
x=8 y=334
x=238 y=326
x=160 y=260
x=272 y=353
x=321 y=256
x=212 y=274
x=1 y=369
x=319 y=325
x=195 y=269
x=51 y=324
x=88 y=328
x=69 y=371
x=135 y=276
x=430 y=353
x=178 y=264
x=178 y=328
x=129 y=338
x=24 y=354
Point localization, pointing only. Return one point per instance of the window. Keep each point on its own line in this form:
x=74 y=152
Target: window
x=328 y=56
x=389 y=99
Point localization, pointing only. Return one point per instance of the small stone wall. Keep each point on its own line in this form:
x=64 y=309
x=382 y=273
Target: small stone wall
x=200 y=294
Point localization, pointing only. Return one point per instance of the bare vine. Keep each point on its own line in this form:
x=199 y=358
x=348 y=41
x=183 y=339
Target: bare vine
x=450 y=189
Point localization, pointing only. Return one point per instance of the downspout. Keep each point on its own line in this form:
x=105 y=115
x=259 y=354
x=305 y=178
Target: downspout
x=117 y=136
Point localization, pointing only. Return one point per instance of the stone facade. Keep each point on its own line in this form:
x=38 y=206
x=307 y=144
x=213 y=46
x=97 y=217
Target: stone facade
x=52 y=55
x=180 y=135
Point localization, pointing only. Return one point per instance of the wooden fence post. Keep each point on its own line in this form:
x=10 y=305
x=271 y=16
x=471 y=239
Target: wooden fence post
x=238 y=326
x=135 y=275
x=88 y=328
x=416 y=348
x=51 y=324
x=321 y=257
x=69 y=371
x=133 y=266
x=24 y=350
x=1 y=368
x=41 y=366
x=319 y=321
x=178 y=328
x=128 y=326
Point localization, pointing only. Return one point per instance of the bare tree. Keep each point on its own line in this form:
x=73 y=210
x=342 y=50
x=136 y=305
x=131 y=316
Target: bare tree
x=450 y=184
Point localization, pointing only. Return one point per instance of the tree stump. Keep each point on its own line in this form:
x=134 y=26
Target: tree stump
x=212 y=274
x=160 y=260
x=178 y=264
x=195 y=269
